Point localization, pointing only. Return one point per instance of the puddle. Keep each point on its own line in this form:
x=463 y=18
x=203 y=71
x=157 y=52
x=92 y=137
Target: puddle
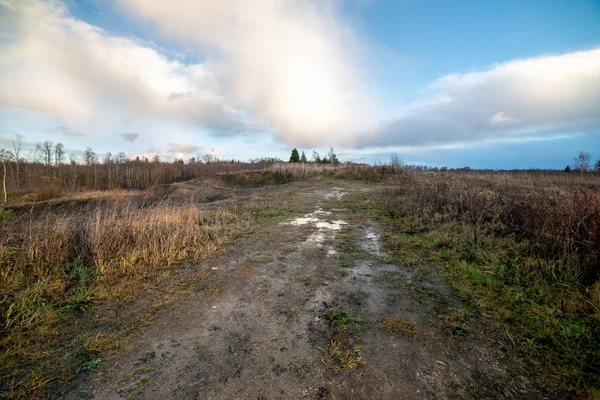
x=312 y=218
x=335 y=193
x=304 y=221
x=372 y=243
x=317 y=238
x=325 y=229
x=333 y=225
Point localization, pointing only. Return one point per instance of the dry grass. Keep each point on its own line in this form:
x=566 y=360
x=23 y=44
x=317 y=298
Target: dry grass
x=398 y=326
x=523 y=248
x=57 y=262
x=556 y=215
x=299 y=171
x=70 y=259
x=343 y=356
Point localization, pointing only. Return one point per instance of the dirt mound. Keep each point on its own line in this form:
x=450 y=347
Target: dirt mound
x=187 y=192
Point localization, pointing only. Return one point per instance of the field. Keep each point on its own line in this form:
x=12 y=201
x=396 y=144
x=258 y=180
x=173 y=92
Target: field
x=322 y=281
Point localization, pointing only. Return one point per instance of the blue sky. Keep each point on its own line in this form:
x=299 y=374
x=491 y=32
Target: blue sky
x=485 y=84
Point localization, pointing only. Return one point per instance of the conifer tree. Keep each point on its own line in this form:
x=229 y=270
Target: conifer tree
x=295 y=157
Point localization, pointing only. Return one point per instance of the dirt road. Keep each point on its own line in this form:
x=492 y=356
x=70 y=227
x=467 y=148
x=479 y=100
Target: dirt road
x=311 y=308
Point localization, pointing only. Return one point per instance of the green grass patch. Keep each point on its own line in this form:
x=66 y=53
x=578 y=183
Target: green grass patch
x=88 y=365
x=555 y=323
x=339 y=318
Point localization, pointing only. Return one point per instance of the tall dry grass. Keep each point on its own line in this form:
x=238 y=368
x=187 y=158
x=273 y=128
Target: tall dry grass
x=52 y=260
x=55 y=262
x=524 y=249
x=557 y=215
x=298 y=171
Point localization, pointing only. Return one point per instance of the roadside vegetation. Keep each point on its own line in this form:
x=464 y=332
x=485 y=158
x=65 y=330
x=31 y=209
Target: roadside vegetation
x=61 y=259
x=522 y=247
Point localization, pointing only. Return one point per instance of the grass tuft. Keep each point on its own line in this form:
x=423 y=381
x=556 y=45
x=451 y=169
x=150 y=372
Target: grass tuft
x=398 y=326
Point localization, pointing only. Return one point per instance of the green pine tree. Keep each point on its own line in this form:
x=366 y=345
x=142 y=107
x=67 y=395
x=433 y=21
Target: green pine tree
x=295 y=157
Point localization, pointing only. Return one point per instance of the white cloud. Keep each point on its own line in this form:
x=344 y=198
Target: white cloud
x=534 y=97
x=293 y=64
x=65 y=131
x=183 y=148
x=63 y=66
x=501 y=119
x=291 y=68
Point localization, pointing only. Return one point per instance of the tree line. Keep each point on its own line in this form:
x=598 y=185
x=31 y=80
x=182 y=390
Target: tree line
x=48 y=168
x=330 y=158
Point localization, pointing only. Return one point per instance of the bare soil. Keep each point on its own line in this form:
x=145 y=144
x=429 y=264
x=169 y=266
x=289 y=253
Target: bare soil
x=253 y=323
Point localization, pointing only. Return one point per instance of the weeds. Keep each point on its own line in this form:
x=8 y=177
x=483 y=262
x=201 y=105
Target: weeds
x=398 y=326
x=343 y=356
x=88 y=365
x=523 y=248
x=57 y=263
x=340 y=318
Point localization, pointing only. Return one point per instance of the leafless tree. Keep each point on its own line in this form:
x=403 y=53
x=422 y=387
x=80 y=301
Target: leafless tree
x=582 y=162
x=59 y=153
x=17 y=145
x=45 y=151
x=315 y=157
x=121 y=158
x=4 y=156
x=396 y=161
x=90 y=157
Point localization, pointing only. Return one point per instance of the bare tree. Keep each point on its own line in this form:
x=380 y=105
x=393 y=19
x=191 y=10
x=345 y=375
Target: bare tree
x=17 y=145
x=396 y=161
x=121 y=158
x=46 y=151
x=208 y=158
x=59 y=153
x=108 y=160
x=4 y=156
x=582 y=162
x=315 y=157
x=90 y=157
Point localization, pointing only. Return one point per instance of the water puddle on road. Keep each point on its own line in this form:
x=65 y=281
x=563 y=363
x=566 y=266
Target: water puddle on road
x=335 y=193
x=326 y=229
x=372 y=243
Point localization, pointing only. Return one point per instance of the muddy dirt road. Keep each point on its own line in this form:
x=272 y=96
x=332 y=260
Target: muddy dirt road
x=310 y=308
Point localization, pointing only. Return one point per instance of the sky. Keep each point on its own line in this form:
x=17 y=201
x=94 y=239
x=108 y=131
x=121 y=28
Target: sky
x=485 y=84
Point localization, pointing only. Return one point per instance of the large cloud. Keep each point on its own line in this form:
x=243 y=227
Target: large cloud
x=507 y=102
x=291 y=63
x=57 y=64
x=289 y=67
